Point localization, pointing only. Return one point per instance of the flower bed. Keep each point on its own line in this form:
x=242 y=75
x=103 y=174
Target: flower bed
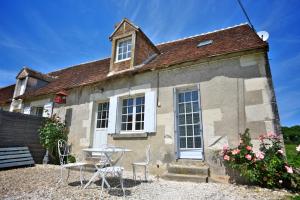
x=267 y=167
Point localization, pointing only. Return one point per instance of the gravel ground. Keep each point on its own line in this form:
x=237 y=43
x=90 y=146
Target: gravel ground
x=40 y=182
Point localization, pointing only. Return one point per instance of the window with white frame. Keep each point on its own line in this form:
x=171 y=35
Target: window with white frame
x=123 y=49
x=189 y=119
x=133 y=114
x=102 y=115
x=39 y=111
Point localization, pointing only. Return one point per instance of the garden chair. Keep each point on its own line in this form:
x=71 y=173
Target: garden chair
x=142 y=164
x=64 y=153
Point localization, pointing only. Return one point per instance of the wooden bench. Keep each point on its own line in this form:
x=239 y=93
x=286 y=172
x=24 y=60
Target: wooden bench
x=15 y=156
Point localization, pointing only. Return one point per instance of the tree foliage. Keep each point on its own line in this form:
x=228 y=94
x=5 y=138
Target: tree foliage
x=50 y=132
x=291 y=134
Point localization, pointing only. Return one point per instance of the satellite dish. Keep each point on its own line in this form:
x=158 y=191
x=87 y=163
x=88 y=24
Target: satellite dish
x=264 y=35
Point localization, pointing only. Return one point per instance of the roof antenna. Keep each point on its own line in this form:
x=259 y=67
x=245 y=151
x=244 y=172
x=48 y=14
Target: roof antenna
x=244 y=11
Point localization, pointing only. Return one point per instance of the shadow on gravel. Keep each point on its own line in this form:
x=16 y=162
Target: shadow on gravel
x=115 y=189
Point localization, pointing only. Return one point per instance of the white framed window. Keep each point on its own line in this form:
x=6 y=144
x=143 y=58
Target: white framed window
x=39 y=111
x=189 y=120
x=133 y=114
x=123 y=49
x=102 y=115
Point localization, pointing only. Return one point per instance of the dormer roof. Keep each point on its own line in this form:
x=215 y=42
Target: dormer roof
x=35 y=74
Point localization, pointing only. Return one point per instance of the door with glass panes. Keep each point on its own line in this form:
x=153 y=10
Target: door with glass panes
x=100 y=133
x=189 y=125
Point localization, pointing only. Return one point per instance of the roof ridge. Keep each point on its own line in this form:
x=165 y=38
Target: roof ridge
x=206 y=33
x=87 y=62
x=7 y=86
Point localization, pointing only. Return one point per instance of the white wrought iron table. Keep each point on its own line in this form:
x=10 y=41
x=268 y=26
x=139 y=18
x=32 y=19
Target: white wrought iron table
x=108 y=152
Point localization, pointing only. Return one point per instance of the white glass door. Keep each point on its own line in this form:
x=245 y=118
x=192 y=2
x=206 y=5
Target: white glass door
x=100 y=134
x=189 y=125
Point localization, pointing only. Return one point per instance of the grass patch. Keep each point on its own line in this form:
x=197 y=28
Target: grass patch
x=291 y=154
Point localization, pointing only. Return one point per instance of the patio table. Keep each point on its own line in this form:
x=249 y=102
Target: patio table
x=108 y=152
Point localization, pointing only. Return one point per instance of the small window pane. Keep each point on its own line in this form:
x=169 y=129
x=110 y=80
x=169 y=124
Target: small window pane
x=181 y=97
x=99 y=107
x=129 y=119
x=190 y=142
x=197 y=142
x=139 y=100
x=129 y=126
x=189 y=119
x=194 y=95
x=130 y=110
x=138 y=117
x=188 y=107
x=105 y=106
x=99 y=115
x=124 y=110
x=103 y=123
x=124 y=118
x=182 y=142
x=103 y=115
x=125 y=102
x=124 y=126
x=130 y=102
x=195 y=107
x=189 y=130
x=197 y=129
x=138 y=126
x=181 y=119
x=196 y=118
x=182 y=130
x=187 y=96
x=138 y=109
x=181 y=108
x=98 y=123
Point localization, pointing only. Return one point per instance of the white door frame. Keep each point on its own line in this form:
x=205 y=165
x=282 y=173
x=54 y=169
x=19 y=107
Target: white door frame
x=100 y=134
x=188 y=153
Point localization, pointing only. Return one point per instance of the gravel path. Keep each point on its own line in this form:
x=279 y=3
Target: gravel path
x=40 y=182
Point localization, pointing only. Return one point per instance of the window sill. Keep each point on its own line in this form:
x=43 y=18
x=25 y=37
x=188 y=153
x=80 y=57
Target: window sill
x=129 y=135
x=118 y=61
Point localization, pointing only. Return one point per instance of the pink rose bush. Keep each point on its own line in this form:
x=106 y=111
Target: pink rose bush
x=267 y=167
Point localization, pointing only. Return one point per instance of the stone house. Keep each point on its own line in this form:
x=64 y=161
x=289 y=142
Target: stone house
x=186 y=98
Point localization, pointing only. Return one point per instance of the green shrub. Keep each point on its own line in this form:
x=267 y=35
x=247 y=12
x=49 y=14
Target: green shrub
x=50 y=132
x=71 y=159
x=267 y=167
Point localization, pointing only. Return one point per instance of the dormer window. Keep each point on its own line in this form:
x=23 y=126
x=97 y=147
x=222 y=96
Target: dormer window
x=123 y=49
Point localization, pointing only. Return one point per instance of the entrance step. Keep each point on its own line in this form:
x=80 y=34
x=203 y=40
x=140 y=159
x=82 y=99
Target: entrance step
x=187 y=170
x=185 y=177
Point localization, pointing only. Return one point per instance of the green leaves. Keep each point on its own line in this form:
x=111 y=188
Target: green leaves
x=50 y=132
x=268 y=167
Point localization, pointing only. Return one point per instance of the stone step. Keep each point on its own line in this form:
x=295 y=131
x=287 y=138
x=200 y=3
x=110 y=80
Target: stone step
x=185 y=177
x=190 y=162
x=188 y=169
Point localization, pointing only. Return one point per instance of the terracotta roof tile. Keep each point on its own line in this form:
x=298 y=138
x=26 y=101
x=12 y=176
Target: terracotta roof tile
x=235 y=39
x=6 y=94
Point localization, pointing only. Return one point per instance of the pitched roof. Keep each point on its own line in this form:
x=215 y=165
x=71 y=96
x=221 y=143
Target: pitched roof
x=225 y=41
x=6 y=94
x=35 y=74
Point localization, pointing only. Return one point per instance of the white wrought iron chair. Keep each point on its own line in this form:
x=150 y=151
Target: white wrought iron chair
x=64 y=153
x=107 y=167
x=142 y=164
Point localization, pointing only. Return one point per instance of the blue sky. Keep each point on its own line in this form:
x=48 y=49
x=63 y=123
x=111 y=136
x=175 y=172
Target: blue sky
x=50 y=35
